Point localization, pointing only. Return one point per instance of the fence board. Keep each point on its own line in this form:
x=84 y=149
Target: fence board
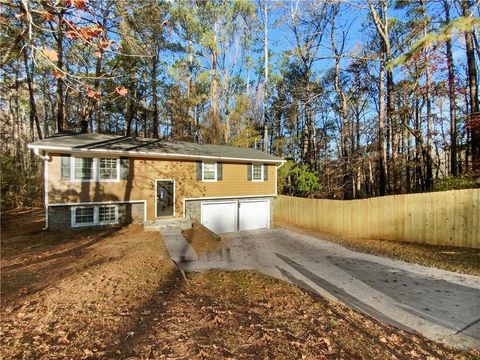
x=442 y=218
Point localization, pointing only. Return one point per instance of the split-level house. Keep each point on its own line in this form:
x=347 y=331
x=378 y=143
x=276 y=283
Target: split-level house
x=96 y=179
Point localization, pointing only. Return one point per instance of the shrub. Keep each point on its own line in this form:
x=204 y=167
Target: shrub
x=298 y=180
x=19 y=187
x=464 y=181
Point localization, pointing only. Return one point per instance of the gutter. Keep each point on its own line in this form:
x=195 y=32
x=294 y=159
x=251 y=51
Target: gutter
x=64 y=149
x=44 y=157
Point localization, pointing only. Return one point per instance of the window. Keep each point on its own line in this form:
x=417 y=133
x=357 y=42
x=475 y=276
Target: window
x=257 y=172
x=94 y=215
x=83 y=169
x=84 y=215
x=107 y=214
x=108 y=169
x=92 y=169
x=209 y=171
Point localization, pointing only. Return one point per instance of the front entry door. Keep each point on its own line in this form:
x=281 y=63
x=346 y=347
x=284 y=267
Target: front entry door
x=165 y=197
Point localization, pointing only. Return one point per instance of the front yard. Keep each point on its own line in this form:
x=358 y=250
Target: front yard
x=115 y=294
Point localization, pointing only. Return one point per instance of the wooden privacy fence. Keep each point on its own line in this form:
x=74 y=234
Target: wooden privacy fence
x=440 y=218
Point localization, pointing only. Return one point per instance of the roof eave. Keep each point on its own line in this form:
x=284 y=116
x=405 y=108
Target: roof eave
x=66 y=149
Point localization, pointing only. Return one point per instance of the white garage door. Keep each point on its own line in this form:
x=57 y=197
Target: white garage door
x=220 y=217
x=254 y=215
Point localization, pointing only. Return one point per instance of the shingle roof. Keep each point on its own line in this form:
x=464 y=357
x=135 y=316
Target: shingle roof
x=131 y=146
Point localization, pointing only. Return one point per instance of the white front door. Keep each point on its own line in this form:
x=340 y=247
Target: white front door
x=254 y=214
x=220 y=217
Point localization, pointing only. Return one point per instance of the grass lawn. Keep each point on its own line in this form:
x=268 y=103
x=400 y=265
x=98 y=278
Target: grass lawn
x=115 y=294
x=462 y=260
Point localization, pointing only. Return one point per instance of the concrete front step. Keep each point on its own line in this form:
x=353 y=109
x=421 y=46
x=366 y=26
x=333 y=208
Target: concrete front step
x=183 y=253
x=199 y=266
x=171 y=231
x=180 y=223
x=222 y=254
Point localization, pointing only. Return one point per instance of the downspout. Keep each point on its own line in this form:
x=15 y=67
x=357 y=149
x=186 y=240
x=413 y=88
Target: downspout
x=46 y=158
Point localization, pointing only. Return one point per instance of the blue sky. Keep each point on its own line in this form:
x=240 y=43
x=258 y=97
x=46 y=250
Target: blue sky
x=356 y=19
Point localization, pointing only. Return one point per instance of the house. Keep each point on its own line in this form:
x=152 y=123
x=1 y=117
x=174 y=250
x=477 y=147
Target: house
x=96 y=179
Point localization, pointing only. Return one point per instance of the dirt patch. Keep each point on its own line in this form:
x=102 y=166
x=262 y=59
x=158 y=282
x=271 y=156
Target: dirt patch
x=462 y=260
x=117 y=295
x=201 y=239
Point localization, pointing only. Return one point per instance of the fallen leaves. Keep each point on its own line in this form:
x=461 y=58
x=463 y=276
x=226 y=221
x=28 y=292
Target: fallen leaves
x=134 y=307
x=266 y=338
x=87 y=352
x=217 y=320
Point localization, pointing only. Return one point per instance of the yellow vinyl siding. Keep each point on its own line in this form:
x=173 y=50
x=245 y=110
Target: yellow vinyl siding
x=141 y=184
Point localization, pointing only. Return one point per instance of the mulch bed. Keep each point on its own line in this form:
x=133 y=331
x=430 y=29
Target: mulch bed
x=201 y=239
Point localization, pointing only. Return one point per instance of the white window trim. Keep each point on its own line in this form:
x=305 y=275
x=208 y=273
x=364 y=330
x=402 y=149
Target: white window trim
x=216 y=174
x=262 y=177
x=74 y=217
x=117 y=179
x=72 y=170
x=113 y=222
x=96 y=212
x=95 y=170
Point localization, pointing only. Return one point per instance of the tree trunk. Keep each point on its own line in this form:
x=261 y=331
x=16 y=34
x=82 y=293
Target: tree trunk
x=265 y=92
x=474 y=117
x=393 y=128
x=130 y=111
x=380 y=20
x=155 y=60
x=428 y=160
x=227 y=122
x=451 y=96
x=33 y=106
x=192 y=126
x=345 y=129
x=214 y=95
x=59 y=96
x=382 y=156
x=92 y=103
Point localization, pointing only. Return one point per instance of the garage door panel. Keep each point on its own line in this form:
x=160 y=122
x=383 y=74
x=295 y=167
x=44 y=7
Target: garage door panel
x=254 y=215
x=220 y=217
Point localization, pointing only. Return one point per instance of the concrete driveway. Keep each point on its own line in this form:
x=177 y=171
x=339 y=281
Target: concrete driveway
x=441 y=305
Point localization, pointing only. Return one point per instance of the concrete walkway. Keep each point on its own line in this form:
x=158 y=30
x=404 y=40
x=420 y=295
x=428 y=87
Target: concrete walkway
x=441 y=305
x=177 y=247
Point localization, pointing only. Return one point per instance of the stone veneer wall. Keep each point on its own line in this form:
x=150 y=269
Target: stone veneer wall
x=60 y=218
